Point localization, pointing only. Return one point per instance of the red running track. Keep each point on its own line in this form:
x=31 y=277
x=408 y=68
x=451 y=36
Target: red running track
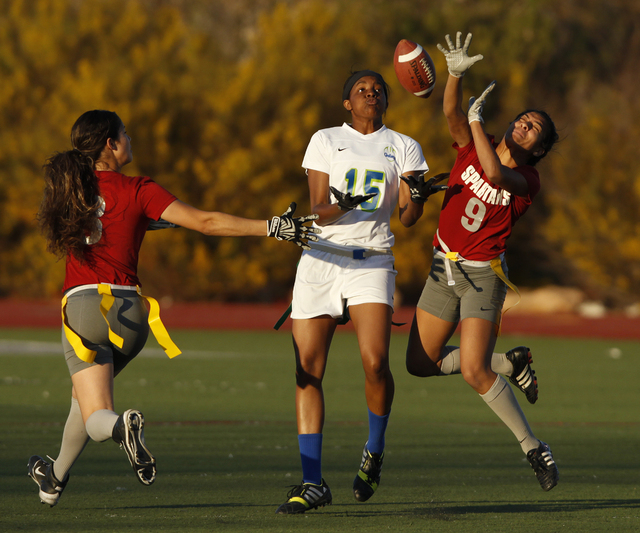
x=218 y=316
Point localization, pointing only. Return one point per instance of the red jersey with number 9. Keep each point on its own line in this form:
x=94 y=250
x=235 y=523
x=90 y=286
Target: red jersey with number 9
x=477 y=216
x=112 y=255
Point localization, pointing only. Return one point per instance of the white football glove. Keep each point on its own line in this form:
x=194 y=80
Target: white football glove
x=287 y=228
x=475 y=106
x=458 y=61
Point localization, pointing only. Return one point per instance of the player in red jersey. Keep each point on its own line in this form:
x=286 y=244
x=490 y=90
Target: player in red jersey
x=491 y=186
x=96 y=217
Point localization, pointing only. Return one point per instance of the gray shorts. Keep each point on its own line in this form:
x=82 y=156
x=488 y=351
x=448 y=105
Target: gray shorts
x=478 y=292
x=127 y=318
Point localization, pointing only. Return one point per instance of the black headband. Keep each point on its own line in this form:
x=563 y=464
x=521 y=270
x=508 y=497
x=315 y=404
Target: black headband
x=346 y=91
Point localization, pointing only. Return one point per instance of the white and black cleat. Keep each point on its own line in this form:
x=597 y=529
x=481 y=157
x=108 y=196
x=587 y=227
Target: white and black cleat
x=129 y=433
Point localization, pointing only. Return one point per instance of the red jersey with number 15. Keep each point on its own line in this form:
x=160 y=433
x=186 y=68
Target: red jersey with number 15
x=477 y=216
x=128 y=206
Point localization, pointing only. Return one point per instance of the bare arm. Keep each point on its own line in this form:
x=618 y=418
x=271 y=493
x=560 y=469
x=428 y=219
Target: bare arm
x=494 y=169
x=452 y=107
x=213 y=222
x=320 y=198
x=458 y=63
x=410 y=212
x=501 y=175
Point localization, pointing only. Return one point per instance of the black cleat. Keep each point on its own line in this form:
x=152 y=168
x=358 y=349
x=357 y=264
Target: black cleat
x=306 y=496
x=129 y=433
x=523 y=375
x=368 y=478
x=42 y=473
x=544 y=466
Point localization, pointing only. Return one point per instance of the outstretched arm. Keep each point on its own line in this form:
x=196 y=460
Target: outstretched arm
x=213 y=222
x=458 y=62
x=320 y=199
x=410 y=210
x=452 y=107
x=284 y=227
x=320 y=191
x=495 y=171
x=414 y=192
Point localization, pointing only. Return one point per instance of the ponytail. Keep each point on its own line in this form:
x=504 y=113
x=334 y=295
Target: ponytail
x=70 y=203
x=69 y=210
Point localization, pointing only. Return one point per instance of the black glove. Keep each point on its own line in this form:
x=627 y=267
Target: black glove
x=161 y=224
x=287 y=228
x=346 y=202
x=420 y=189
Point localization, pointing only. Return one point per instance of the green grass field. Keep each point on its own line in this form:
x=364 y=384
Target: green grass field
x=221 y=422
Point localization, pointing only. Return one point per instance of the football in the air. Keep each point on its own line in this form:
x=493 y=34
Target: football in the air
x=414 y=68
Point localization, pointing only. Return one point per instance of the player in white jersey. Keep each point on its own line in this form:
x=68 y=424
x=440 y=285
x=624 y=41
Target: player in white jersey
x=354 y=180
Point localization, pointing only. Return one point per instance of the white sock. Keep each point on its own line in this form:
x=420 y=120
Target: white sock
x=500 y=364
x=100 y=424
x=451 y=362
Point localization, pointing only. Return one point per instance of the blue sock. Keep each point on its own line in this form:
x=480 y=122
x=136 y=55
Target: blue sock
x=311 y=455
x=377 y=429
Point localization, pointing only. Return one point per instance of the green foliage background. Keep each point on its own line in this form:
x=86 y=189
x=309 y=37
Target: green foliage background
x=221 y=99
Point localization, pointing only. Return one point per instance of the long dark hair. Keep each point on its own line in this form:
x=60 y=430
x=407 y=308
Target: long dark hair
x=68 y=212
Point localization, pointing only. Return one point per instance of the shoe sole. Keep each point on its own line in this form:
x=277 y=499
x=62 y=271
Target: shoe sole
x=133 y=444
x=284 y=510
x=296 y=504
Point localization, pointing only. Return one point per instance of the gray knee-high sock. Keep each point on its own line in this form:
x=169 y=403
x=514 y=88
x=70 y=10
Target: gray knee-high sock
x=502 y=401
x=500 y=364
x=451 y=362
x=100 y=424
x=74 y=439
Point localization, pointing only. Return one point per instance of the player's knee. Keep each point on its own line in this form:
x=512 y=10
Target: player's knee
x=420 y=365
x=306 y=379
x=310 y=367
x=476 y=377
x=376 y=369
x=415 y=368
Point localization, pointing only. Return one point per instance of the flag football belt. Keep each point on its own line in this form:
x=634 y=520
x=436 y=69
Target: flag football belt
x=495 y=264
x=353 y=253
x=157 y=327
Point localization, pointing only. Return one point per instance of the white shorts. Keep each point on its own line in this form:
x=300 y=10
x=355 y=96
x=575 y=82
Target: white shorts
x=326 y=282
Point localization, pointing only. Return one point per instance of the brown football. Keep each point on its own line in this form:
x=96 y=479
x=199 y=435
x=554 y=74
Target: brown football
x=414 y=68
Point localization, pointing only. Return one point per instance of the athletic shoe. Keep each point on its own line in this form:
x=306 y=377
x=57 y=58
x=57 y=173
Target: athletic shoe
x=306 y=496
x=368 y=478
x=42 y=473
x=129 y=433
x=544 y=466
x=523 y=375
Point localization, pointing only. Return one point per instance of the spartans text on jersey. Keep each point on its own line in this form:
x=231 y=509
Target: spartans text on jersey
x=484 y=190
